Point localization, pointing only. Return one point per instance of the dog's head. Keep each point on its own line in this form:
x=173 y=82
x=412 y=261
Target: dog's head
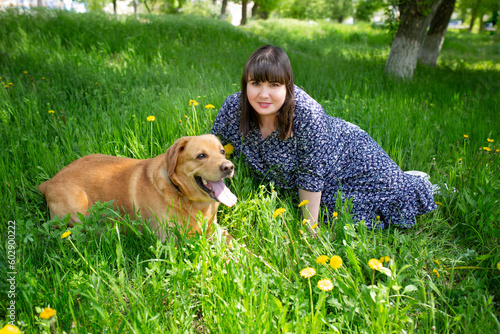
x=198 y=165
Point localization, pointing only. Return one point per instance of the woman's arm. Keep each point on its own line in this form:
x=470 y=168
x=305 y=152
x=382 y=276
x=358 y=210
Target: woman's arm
x=311 y=209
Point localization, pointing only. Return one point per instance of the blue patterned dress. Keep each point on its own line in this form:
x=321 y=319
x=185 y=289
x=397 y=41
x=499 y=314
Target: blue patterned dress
x=328 y=154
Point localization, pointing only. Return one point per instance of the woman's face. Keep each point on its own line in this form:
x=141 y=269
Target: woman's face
x=266 y=97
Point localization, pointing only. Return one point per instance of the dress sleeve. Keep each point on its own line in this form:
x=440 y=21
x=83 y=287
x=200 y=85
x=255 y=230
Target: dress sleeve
x=227 y=123
x=311 y=133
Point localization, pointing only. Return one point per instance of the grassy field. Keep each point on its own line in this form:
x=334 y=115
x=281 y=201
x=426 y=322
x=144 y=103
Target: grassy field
x=76 y=84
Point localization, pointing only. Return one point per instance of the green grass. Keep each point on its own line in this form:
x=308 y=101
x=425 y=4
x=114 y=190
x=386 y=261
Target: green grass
x=104 y=76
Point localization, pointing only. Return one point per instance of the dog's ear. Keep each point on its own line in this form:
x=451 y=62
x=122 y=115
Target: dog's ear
x=172 y=154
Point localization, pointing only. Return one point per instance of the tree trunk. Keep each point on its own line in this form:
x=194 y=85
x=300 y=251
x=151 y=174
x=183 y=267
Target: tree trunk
x=243 y=12
x=429 y=52
x=255 y=9
x=136 y=12
x=415 y=19
x=147 y=7
x=223 y=10
x=473 y=14
x=114 y=6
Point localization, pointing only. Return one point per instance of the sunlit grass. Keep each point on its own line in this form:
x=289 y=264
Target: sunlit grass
x=83 y=84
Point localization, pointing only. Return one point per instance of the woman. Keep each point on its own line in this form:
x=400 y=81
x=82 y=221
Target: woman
x=286 y=136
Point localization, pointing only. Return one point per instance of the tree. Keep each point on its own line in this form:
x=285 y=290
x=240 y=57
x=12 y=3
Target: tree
x=366 y=8
x=244 y=12
x=223 y=10
x=429 y=52
x=339 y=9
x=262 y=8
x=415 y=18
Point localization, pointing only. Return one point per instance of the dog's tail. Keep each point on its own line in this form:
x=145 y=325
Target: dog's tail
x=43 y=187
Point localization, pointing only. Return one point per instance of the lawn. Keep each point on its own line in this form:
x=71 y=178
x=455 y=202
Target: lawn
x=77 y=84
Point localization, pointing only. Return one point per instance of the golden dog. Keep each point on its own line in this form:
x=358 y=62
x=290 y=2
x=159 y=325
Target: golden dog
x=174 y=186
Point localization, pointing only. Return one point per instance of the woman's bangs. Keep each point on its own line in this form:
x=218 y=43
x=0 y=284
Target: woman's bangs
x=265 y=71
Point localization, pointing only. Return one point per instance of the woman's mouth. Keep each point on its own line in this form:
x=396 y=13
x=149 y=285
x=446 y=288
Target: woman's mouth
x=264 y=104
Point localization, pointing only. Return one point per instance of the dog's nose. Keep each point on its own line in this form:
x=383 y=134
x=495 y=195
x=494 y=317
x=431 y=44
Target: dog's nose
x=227 y=167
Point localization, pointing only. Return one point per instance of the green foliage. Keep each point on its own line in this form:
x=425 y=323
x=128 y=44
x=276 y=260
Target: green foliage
x=366 y=8
x=104 y=76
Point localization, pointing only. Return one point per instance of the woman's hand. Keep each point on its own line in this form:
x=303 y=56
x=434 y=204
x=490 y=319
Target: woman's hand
x=311 y=209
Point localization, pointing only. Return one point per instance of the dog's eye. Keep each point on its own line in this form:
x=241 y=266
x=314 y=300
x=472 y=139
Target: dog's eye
x=223 y=152
x=201 y=156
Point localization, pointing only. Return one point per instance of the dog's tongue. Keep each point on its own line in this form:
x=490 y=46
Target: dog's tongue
x=222 y=193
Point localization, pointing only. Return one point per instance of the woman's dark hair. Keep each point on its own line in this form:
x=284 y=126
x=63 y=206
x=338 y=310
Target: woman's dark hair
x=268 y=63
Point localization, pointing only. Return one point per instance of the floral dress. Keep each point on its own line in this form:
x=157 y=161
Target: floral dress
x=328 y=154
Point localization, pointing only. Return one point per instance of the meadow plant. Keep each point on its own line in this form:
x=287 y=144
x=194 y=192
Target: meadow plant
x=113 y=274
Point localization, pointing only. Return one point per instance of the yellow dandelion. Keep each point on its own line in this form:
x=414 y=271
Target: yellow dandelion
x=498 y=150
x=498 y=265
x=435 y=272
x=209 y=106
x=301 y=232
x=229 y=149
x=377 y=218
x=25 y=72
x=466 y=136
x=335 y=214
x=307 y=272
x=314 y=226
x=193 y=103
x=325 y=284
x=47 y=313
x=459 y=159
x=490 y=140
x=384 y=259
x=304 y=202
x=9 y=329
x=375 y=264
x=438 y=203
x=322 y=259
x=487 y=149
x=151 y=118
x=437 y=262
x=186 y=116
x=336 y=262
x=278 y=212
x=43 y=78
x=305 y=221
x=65 y=234
x=96 y=83
x=51 y=111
